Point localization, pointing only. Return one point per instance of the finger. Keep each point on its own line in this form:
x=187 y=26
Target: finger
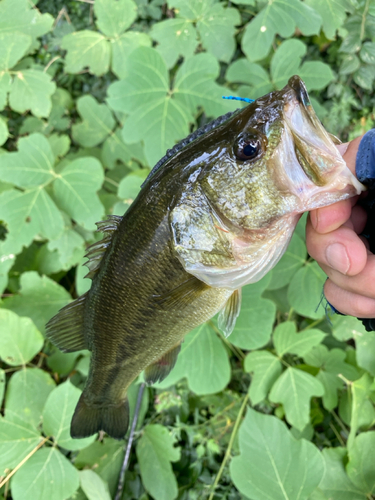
x=362 y=284
x=349 y=303
x=341 y=250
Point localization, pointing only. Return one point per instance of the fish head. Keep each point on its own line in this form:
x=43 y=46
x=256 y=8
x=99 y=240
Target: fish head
x=256 y=174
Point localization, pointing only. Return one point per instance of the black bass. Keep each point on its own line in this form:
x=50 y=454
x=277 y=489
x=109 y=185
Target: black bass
x=216 y=213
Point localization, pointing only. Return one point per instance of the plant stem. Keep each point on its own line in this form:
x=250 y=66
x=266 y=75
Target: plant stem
x=121 y=480
x=229 y=448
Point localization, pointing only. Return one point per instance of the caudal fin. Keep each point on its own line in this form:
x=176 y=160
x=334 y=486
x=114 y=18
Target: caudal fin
x=88 y=420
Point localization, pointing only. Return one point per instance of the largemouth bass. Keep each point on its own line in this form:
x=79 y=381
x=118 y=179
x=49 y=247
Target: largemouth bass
x=216 y=213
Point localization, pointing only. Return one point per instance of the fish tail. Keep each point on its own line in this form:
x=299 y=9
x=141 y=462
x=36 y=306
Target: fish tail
x=87 y=420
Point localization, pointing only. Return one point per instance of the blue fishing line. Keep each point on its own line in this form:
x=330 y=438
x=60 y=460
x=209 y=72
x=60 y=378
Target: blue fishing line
x=234 y=98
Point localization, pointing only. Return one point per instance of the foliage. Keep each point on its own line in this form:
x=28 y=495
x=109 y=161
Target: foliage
x=91 y=96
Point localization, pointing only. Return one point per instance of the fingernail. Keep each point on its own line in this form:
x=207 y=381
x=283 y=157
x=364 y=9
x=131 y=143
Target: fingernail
x=337 y=257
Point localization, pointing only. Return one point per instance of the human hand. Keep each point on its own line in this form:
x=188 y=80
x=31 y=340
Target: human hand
x=332 y=238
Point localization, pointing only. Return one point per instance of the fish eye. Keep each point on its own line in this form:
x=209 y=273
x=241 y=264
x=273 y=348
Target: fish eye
x=248 y=146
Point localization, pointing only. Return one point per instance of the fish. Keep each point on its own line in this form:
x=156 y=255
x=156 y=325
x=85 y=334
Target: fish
x=215 y=214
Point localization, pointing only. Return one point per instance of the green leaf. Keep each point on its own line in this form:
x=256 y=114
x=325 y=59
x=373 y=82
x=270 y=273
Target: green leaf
x=331 y=383
x=293 y=390
x=58 y=413
x=203 y=360
x=123 y=46
x=365 y=348
x=2 y=386
x=155 y=452
x=292 y=260
x=272 y=465
x=349 y=64
x=346 y=327
x=305 y=291
x=266 y=370
x=31 y=90
x=86 y=49
x=316 y=74
x=17 y=439
x=332 y=361
x=254 y=75
x=114 y=16
x=93 y=485
x=47 y=474
x=254 y=324
x=130 y=185
x=97 y=123
x=217 y=29
x=335 y=484
x=5 y=82
x=286 y=60
x=360 y=468
x=364 y=76
x=286 y=339
x=60 y=144
x=4 y=133
x=20 y=340
x=75 y=191
x=360 y=394
x=278 y=17
x=176 y=37
x=31 y=166
x=66 y=245
x=114 y=149
x=20 y=16
x=40 y=298
x=367 y=53
x=332 y=13
x=61 y=104
x=62 y=362
x=13 y=46
x=27 y=393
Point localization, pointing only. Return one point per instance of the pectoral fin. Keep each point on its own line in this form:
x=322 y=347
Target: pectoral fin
x=230 y=312
x=161 y=368
x=182 y=295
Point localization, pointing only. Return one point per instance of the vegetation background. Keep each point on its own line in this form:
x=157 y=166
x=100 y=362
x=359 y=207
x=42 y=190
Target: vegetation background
x=91 y=96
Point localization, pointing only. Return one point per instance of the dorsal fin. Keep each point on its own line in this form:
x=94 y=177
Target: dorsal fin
x=96 y=251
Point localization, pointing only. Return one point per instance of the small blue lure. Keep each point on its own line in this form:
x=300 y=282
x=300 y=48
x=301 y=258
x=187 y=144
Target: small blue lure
x=234 y=98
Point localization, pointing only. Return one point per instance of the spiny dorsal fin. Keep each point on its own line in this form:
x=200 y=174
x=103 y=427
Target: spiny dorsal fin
x=65 y=329
x=156 y=372
x=229 y=314
x=96 y=251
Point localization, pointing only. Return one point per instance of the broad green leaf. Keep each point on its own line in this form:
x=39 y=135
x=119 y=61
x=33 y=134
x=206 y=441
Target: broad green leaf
x=290 y=262
x=20 y=340
x=335 y=484
x=332 y=12
x=60 y=144
x=106 y=458
x=266 y=370
x=364 y=76
x=286 y=60
x=61 y=104
x=254 y=324
x=40 y=298
x=203 y=360
x=5 y=82
x=315 y=74
x=4 y=133
x=155 y=452
x=66 y=245
x=349 y=64
x=97 y=123
x=217 y=29
x=367 y=53
x=253 y=75
x=286 y=339
x=20 y=16
x=130 y=185
x=294 y=389
x=47 y=474
x=125 y=44
x=58 y=413
x=27 y=393
x=332 y=361
x=176 y=37
x=114 y=16
x=365 y=350
x=31 y=90
x=93 y=485
x=272 y=464
x=62 y=362
x=360 y=468
x=305 y=291
x=13 y=46
x=346 y=327
x=2 y=385
x=114 y=149
x=17 y=439
x=360 y=393
x=278 y=17
x=86 y=49
x=31 y=166
x=331 y=383
x=75 y=191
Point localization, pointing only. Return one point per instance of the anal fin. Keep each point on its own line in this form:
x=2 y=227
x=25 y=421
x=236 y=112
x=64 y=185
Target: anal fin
x=156 y=372
x=65 y=330
x=230 y=312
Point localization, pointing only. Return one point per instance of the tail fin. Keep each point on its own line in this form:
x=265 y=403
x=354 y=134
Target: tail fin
x=88 y=420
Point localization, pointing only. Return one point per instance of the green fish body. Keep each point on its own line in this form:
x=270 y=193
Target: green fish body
x=214 y=215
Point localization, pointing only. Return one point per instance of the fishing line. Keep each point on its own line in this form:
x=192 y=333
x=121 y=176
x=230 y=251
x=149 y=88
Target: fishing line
x=234 y=98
